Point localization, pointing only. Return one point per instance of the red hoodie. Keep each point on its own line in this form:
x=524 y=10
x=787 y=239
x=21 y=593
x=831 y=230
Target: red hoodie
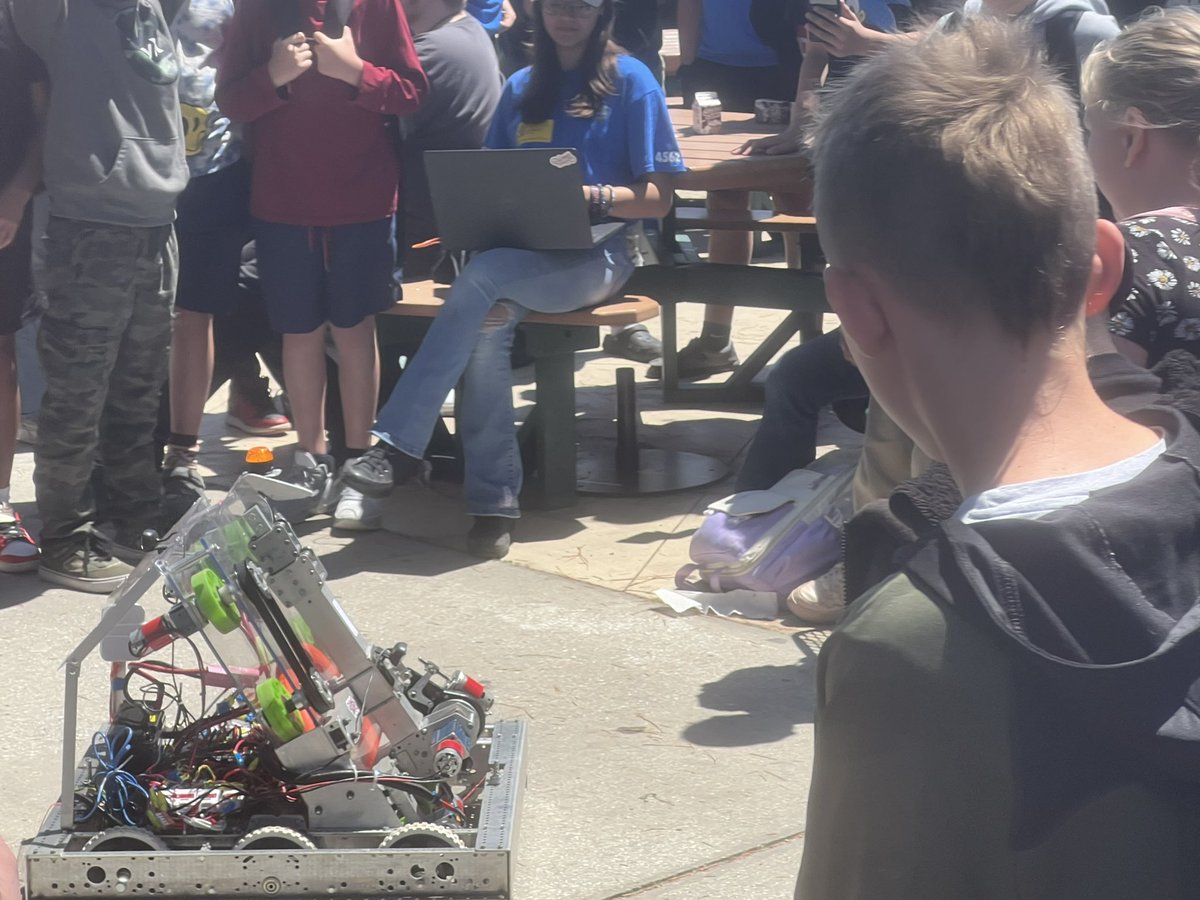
x=322 y=155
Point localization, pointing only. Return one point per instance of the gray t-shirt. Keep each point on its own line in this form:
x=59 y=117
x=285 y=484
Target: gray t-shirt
x=464 y=89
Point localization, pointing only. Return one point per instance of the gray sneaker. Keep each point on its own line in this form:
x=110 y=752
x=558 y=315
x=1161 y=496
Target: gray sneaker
x=82 y=562
x=313 y=471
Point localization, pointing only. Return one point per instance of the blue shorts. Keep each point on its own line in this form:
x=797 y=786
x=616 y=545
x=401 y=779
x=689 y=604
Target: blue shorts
x=339 y=274
x=212 y=226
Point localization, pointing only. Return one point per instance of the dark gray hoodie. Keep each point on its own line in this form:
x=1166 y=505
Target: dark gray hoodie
x=114 y=143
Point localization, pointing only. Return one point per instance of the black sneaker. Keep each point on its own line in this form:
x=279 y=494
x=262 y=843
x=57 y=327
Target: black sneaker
x=382 y=467
x=700 y=358
x=182 y=487
x=635 y=343
x=490 y=537
x=82 y=562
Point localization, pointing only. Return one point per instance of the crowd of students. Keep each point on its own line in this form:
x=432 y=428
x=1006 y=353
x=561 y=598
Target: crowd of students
x=1018 y=667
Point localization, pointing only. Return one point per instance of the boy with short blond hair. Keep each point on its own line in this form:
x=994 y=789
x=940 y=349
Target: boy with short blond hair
x=1031 y=676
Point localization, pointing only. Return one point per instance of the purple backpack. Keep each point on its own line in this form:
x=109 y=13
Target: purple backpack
x=772 y=540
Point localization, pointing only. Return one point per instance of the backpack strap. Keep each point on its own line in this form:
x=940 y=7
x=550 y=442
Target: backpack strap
x=1061 y=53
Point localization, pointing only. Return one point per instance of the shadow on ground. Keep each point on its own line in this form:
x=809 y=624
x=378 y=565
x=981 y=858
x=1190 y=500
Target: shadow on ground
x=766 y=702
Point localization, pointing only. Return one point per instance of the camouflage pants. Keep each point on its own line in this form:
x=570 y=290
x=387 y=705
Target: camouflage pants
x=104 y=344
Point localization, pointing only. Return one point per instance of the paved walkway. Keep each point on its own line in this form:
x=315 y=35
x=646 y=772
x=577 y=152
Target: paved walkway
x=669 y=757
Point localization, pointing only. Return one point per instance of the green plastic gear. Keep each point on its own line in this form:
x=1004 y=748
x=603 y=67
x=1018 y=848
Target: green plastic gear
x=223 y=614
x=273 y=699
x=237 y=540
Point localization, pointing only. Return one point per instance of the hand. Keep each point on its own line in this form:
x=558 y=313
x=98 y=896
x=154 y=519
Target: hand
x=12 y=210
x=790 y=140
x=841 y=33
x=338 y=57
x=291 y=57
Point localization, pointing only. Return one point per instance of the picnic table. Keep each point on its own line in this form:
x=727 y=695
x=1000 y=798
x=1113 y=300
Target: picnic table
x=711 y=167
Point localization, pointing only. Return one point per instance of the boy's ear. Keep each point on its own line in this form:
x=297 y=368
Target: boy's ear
x=855 y=300
x=1108 y=267
x=1135 y=139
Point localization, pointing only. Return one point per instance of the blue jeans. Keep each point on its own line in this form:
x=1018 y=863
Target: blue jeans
x=471 y=339
x=805 y=379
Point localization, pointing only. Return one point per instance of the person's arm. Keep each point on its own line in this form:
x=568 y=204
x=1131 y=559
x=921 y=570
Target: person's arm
x=813 y=67
x=397 y=85
x=649 y=198
x=36 y=20
x=248 y=85
x=841 y=33
x=689 y=16
x=508 y=16
x=14 y=196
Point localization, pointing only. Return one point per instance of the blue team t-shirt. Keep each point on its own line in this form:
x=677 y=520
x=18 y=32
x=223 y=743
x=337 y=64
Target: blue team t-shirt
x=630 y=137
x=488 y=12
x=727 y=36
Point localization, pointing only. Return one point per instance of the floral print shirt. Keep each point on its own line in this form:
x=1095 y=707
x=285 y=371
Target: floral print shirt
x=1158 y=307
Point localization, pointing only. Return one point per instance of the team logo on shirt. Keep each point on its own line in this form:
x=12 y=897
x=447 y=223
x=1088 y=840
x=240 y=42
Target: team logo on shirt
x=148 y=47
x=535 y=132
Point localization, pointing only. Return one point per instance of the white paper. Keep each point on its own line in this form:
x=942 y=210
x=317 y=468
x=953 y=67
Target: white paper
x=747 y=604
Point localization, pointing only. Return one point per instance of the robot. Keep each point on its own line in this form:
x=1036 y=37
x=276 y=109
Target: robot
x=258 y=744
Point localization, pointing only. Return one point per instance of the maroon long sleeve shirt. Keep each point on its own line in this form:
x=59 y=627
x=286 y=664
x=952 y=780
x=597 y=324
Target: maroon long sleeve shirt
x=322 y=154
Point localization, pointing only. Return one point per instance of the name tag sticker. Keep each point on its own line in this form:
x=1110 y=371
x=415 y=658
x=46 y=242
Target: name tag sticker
x=564 y=159
x=535 y=132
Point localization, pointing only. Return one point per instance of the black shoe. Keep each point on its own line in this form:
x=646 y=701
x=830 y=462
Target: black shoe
x=490 y=537
x=700 y=358
x=182 y=487
x=635 y=343
x=380 y=468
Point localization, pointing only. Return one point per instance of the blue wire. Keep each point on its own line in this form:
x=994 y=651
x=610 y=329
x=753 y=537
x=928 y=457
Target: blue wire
x=113 y=790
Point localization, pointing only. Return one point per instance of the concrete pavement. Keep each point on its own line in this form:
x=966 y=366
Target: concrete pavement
x=668 y=757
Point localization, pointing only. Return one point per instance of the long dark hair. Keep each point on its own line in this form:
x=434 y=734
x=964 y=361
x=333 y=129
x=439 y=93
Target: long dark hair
x=599 y=65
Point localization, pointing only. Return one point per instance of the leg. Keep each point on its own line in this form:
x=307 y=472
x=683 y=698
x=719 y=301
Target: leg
x=493 y=460
x=191 y=369
x=304 y=369
x=126 y=440
x=89 y=305
x=712 y=351
x=293 y=279
x=10 y=411
x=358 y=379
x=806 y=379
x=548 y=281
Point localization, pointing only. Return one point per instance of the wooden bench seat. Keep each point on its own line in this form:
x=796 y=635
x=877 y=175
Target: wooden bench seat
x=692 y=218
x=547 y=436
x=425 y=298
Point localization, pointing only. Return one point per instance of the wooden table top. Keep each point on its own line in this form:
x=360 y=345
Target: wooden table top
x=712 y=166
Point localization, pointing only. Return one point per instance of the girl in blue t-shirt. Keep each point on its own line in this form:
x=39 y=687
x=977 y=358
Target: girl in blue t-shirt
x=582 y=94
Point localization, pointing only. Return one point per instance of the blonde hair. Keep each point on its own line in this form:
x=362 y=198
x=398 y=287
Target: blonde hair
x=954 y=167
x=1149 y=74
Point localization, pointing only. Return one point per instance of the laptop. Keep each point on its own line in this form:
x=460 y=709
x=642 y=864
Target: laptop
x=526 y=199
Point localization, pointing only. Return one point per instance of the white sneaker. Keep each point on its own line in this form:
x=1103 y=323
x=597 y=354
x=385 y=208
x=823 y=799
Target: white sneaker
x=821 y=601
x=354 y=512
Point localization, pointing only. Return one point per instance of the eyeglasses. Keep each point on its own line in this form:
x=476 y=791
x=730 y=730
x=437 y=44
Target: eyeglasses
x=564 y=8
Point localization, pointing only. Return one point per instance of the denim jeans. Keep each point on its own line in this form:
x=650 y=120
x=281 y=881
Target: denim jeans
x=805 y=379
x=471 y=339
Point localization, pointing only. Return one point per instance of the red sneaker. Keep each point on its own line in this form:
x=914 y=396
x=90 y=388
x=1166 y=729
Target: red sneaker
x=252 y=411
x=18 y=549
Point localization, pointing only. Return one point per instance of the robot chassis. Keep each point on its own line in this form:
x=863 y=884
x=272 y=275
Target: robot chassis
x=322 y=765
